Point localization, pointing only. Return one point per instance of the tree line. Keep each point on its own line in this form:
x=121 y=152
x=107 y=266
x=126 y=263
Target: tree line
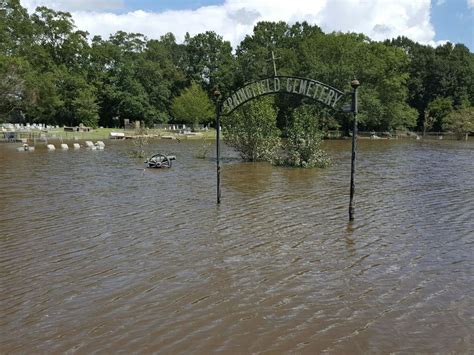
x=52 y=72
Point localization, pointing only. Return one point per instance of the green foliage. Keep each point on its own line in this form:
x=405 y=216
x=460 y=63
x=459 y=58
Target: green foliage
x=55 y=33
x=46 y=99
x=78 y=100
x=460 y=121
x=438 y=109
x=86 y=108
x=15 y=28
x=303 y=145
x=13 y=84
x=252 y=130
x=140 y=142
x=134 y=80
x=193 y=106
x=209 y=61
x=446 y=71
x=335 y=58
x=204 y=149
x=51 y=73
x=400 y=116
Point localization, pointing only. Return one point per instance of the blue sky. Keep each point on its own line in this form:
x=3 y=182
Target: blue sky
x=162 y=5
x=426 y=21
x=453 y=20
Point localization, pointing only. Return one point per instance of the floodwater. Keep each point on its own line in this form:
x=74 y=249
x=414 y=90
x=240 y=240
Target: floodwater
x=99 y=255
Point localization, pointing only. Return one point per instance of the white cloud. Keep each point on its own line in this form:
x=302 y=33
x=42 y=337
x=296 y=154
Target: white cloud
x=440 y=2
x=74 y=5
x=470 y=3
x=379 y=19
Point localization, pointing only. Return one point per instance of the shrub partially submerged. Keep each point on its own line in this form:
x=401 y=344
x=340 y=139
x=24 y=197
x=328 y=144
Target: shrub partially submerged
x=140 y=141
x=252 y=130
x=303 y=146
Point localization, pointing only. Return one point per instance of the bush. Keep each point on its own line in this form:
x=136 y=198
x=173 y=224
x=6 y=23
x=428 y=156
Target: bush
x=140 y=142
x=303 y=146
x=252 y=130
x=461 y=122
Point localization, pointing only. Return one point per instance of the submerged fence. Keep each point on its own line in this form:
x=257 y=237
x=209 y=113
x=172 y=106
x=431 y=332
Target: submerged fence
x=334 y=134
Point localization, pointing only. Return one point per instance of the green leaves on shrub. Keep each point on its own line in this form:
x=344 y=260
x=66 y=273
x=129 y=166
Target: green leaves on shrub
x=303 y=146
x=252 y=130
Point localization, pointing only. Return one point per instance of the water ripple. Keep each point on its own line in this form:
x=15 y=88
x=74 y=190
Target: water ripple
x=97 y=254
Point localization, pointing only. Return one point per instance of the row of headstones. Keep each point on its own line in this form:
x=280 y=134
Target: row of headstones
x=172 y=127
x=99 y=145
x=27 y=126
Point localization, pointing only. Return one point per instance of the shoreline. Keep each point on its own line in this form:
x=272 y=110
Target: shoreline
x=34 y=136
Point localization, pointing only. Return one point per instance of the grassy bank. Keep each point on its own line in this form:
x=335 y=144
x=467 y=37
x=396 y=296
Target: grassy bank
x=104 y=133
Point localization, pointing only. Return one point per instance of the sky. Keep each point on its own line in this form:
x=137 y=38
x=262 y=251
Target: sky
x=430 y=22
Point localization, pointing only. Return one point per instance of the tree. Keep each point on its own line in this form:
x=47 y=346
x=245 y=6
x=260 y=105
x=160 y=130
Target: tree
x=252 y=130
x=86 y=108
x=446 y=71
x=134 y=78
x=335 y=59
x=209 y=61
x=254 y=57
x=461 y=122
x=78 y=99
x=438 y=109
x=27 y=91
x=15 y=28
x=50 y=72
x=55 y=33
x=13 y=84
x=193 y=106
x=254 y=52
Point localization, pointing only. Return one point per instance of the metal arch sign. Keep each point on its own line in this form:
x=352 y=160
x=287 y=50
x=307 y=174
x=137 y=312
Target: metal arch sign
x=323 y=93
x=310 y=88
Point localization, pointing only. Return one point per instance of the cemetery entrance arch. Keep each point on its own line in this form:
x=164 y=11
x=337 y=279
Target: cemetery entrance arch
x=305 y=87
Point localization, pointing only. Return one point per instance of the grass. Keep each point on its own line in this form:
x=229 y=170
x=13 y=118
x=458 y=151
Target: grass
x=103 y=133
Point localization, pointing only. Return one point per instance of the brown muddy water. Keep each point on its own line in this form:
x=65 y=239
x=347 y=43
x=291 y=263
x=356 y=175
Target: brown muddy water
x=99 y=255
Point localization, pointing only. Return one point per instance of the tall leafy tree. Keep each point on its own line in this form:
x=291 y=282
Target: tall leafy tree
x=55 y=32
x=50 y=72
x=86 y=108
x=16 y=28
x=193 y=106
x=437 y=110
x=275 y=45
x=210 y=61
x=14 y=88
x=446 y=71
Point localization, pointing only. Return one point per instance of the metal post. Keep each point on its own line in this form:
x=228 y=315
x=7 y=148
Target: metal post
x=273 y=59
x=217 y=95
x=274 y=65
x=355 y=84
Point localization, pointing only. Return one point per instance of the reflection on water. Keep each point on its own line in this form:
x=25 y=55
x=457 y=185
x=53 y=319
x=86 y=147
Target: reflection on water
x=97 y=254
